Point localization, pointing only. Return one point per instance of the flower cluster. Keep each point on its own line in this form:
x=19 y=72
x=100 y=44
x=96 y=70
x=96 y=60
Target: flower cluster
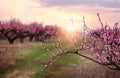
x=105 y=45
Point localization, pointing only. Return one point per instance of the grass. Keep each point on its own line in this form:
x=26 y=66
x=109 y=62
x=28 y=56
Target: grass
x=33 y=58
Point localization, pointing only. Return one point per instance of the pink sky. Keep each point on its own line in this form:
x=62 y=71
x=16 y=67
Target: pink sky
x=60 y=12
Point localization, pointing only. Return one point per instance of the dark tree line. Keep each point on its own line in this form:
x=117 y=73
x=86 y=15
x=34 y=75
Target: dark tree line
x=15 y=29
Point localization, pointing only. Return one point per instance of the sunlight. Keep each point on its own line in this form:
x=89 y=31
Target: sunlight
x=70 y=29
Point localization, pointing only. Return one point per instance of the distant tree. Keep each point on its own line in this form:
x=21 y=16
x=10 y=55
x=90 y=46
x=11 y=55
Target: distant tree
x=33 y=29
x=9 y=31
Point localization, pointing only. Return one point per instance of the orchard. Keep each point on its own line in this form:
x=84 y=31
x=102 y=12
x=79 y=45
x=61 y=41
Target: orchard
x=101 y=45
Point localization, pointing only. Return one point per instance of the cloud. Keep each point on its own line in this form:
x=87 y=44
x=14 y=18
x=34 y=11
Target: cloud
x=101 y=3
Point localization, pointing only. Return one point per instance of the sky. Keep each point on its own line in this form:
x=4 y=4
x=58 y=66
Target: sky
x=64 y=13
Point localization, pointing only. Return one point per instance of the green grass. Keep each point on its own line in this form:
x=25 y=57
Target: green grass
x=32 y=58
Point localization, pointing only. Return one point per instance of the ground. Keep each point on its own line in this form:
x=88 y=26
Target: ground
x=30 y=59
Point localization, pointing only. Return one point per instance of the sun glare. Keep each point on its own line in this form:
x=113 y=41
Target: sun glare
x=70 y=29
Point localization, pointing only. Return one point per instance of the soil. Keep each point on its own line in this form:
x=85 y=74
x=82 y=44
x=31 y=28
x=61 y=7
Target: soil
x=89 y=70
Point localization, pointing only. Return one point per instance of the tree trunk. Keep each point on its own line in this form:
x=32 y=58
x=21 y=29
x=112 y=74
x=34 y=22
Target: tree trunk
x=31 y=38
x=11 y=41
x=21 y=40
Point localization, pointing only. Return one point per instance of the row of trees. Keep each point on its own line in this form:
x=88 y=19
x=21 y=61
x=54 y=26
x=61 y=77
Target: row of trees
x=104 y=43
x=15 y=29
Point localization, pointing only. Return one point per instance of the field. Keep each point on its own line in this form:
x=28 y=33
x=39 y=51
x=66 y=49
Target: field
x=28 y=60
